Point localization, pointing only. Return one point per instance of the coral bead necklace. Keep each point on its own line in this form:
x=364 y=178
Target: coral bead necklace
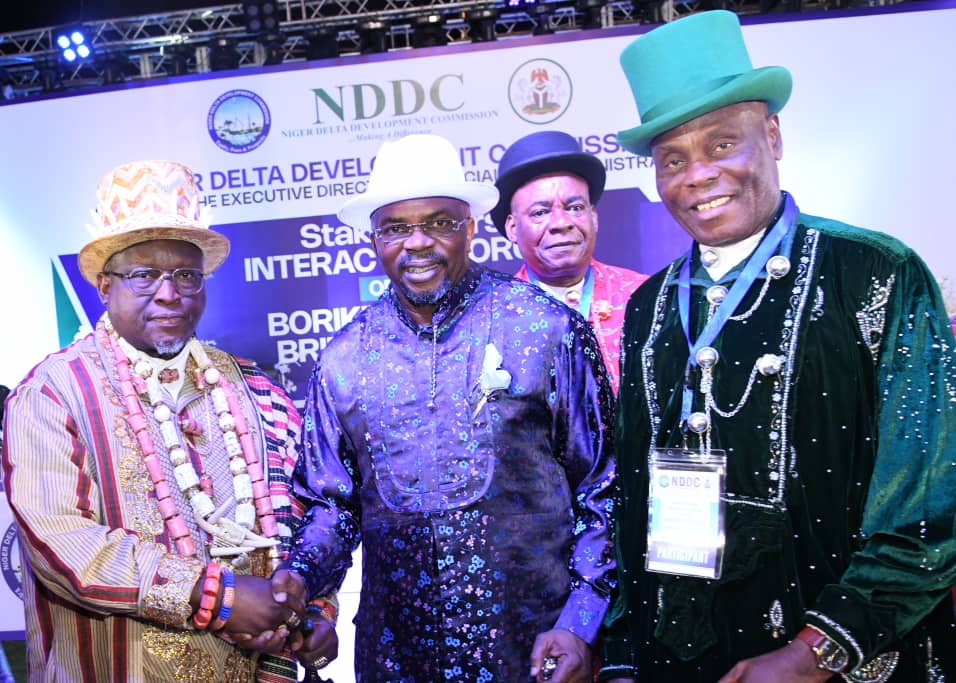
x=140 y=386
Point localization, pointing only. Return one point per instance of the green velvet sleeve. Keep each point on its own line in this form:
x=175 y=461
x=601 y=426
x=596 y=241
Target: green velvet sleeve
x=908 y=558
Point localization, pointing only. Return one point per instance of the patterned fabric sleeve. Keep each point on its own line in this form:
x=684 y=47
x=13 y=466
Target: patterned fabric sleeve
x=584 y=446
x=282 y=429
x=325 y=482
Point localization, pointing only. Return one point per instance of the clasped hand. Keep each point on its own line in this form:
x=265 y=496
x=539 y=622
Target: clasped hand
x=269 y=615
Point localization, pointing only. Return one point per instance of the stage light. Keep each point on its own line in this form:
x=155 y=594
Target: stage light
x=50 y=76
x=260 y=16
x=591 y=11
x=177 y=57
x=482 y=25
x=115 y=69
x=272 y=50
x=6 y=85
x=373 y=37
x=223 y=55
x=73 y=44
x=429 y=31
x=542 y=19
x=322 y=44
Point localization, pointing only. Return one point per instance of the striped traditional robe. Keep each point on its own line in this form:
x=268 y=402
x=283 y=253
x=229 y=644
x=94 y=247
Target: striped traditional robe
x=98 y=566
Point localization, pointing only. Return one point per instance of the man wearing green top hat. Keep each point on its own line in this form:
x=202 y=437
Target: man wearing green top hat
x=787 y=421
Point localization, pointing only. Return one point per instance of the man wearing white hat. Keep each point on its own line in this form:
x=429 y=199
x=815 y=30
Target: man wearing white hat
x=787 y=435
x=149 y=473
x=459 y=428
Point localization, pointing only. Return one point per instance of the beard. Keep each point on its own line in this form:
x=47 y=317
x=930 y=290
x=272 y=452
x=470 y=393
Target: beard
x=426 y=298
x=430 y=298
x=170 y=348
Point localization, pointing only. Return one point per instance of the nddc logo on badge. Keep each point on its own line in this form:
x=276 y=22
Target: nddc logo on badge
x=238 y=121
x=540 y=91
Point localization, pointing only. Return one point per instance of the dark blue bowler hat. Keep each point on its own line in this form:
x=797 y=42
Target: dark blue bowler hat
x=549 y=151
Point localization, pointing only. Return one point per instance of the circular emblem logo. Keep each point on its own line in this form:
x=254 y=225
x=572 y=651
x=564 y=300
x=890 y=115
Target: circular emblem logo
x=540 y=91
x=238 y=121
x=10 y=560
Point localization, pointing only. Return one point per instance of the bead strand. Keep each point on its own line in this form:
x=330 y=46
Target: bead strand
x=175 y=524
x=251 y=490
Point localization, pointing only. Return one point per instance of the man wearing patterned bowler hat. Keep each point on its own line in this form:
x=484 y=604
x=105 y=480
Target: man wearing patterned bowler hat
x=549 y=190
x=786 y=437
x=149 y=473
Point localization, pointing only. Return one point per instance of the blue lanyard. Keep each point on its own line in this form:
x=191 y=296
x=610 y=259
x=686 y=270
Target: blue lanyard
x=725 y=310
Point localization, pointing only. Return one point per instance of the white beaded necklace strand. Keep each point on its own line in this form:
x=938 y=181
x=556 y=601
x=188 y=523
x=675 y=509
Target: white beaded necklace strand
x=249 y=487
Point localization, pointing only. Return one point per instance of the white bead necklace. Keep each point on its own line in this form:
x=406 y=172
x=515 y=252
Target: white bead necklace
x=229 y=538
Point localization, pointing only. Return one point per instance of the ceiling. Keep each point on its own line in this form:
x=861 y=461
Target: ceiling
x=18 y=15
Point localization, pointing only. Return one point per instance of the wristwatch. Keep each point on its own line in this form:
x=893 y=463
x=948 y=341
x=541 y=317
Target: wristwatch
x=830 y=654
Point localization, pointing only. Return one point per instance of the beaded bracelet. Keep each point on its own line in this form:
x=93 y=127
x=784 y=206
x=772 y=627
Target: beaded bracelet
x=327 y=608
x=228 y=597
x=210 y=593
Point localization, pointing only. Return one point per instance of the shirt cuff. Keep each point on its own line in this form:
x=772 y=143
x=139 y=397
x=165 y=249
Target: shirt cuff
x=583 y=613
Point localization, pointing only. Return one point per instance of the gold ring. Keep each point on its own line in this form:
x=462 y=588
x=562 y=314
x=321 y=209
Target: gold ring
x=319 y=663
x=293 y=622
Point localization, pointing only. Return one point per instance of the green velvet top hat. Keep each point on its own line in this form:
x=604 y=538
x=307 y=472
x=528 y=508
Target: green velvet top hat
x=691 y=67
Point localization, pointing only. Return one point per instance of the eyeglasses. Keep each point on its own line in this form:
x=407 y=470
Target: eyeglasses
x=436 y=229
x=186 y=281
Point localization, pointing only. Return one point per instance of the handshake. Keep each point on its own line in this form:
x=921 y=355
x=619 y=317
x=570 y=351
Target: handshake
x=268 y=615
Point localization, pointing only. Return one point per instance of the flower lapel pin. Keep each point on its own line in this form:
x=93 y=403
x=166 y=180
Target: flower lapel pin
x=493 y=378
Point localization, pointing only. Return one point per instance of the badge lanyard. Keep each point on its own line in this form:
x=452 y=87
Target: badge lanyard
x=727 y=307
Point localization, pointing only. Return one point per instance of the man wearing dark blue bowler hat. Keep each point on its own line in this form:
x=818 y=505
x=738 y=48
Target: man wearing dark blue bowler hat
x=787 y=428
x=549 y=190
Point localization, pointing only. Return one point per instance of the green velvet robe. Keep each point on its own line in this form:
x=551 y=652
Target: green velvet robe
x=841 y=477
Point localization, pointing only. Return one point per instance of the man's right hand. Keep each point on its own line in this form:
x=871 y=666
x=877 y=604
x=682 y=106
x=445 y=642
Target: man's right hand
x=261 y=609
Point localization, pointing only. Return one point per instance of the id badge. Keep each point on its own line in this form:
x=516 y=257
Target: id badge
x=685 y=523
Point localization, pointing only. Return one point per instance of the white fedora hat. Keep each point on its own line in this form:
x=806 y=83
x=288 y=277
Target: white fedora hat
x=414 y=167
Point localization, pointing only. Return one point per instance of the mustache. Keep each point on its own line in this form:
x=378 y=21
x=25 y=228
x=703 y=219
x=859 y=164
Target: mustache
x=419 y=260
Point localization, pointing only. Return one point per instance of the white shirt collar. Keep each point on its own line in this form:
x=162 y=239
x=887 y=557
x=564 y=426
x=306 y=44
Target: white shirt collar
x=730 y=255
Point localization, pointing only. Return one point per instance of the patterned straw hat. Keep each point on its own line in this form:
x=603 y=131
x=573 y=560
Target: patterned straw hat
x=143 y=201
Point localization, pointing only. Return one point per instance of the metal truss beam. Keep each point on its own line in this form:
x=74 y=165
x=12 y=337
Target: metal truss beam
x=176 y=43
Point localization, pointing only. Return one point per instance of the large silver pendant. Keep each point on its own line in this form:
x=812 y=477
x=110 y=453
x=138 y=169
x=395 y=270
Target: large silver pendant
x=698 y=422
x=769 y=364
x=716 y=294
x=707 y=357
x=778 y=266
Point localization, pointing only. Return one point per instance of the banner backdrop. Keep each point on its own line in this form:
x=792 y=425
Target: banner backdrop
x=277 y=150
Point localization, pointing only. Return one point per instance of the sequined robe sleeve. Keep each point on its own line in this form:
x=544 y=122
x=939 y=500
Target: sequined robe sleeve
x=325 y=482
x=907 y=561
x=583 y=434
